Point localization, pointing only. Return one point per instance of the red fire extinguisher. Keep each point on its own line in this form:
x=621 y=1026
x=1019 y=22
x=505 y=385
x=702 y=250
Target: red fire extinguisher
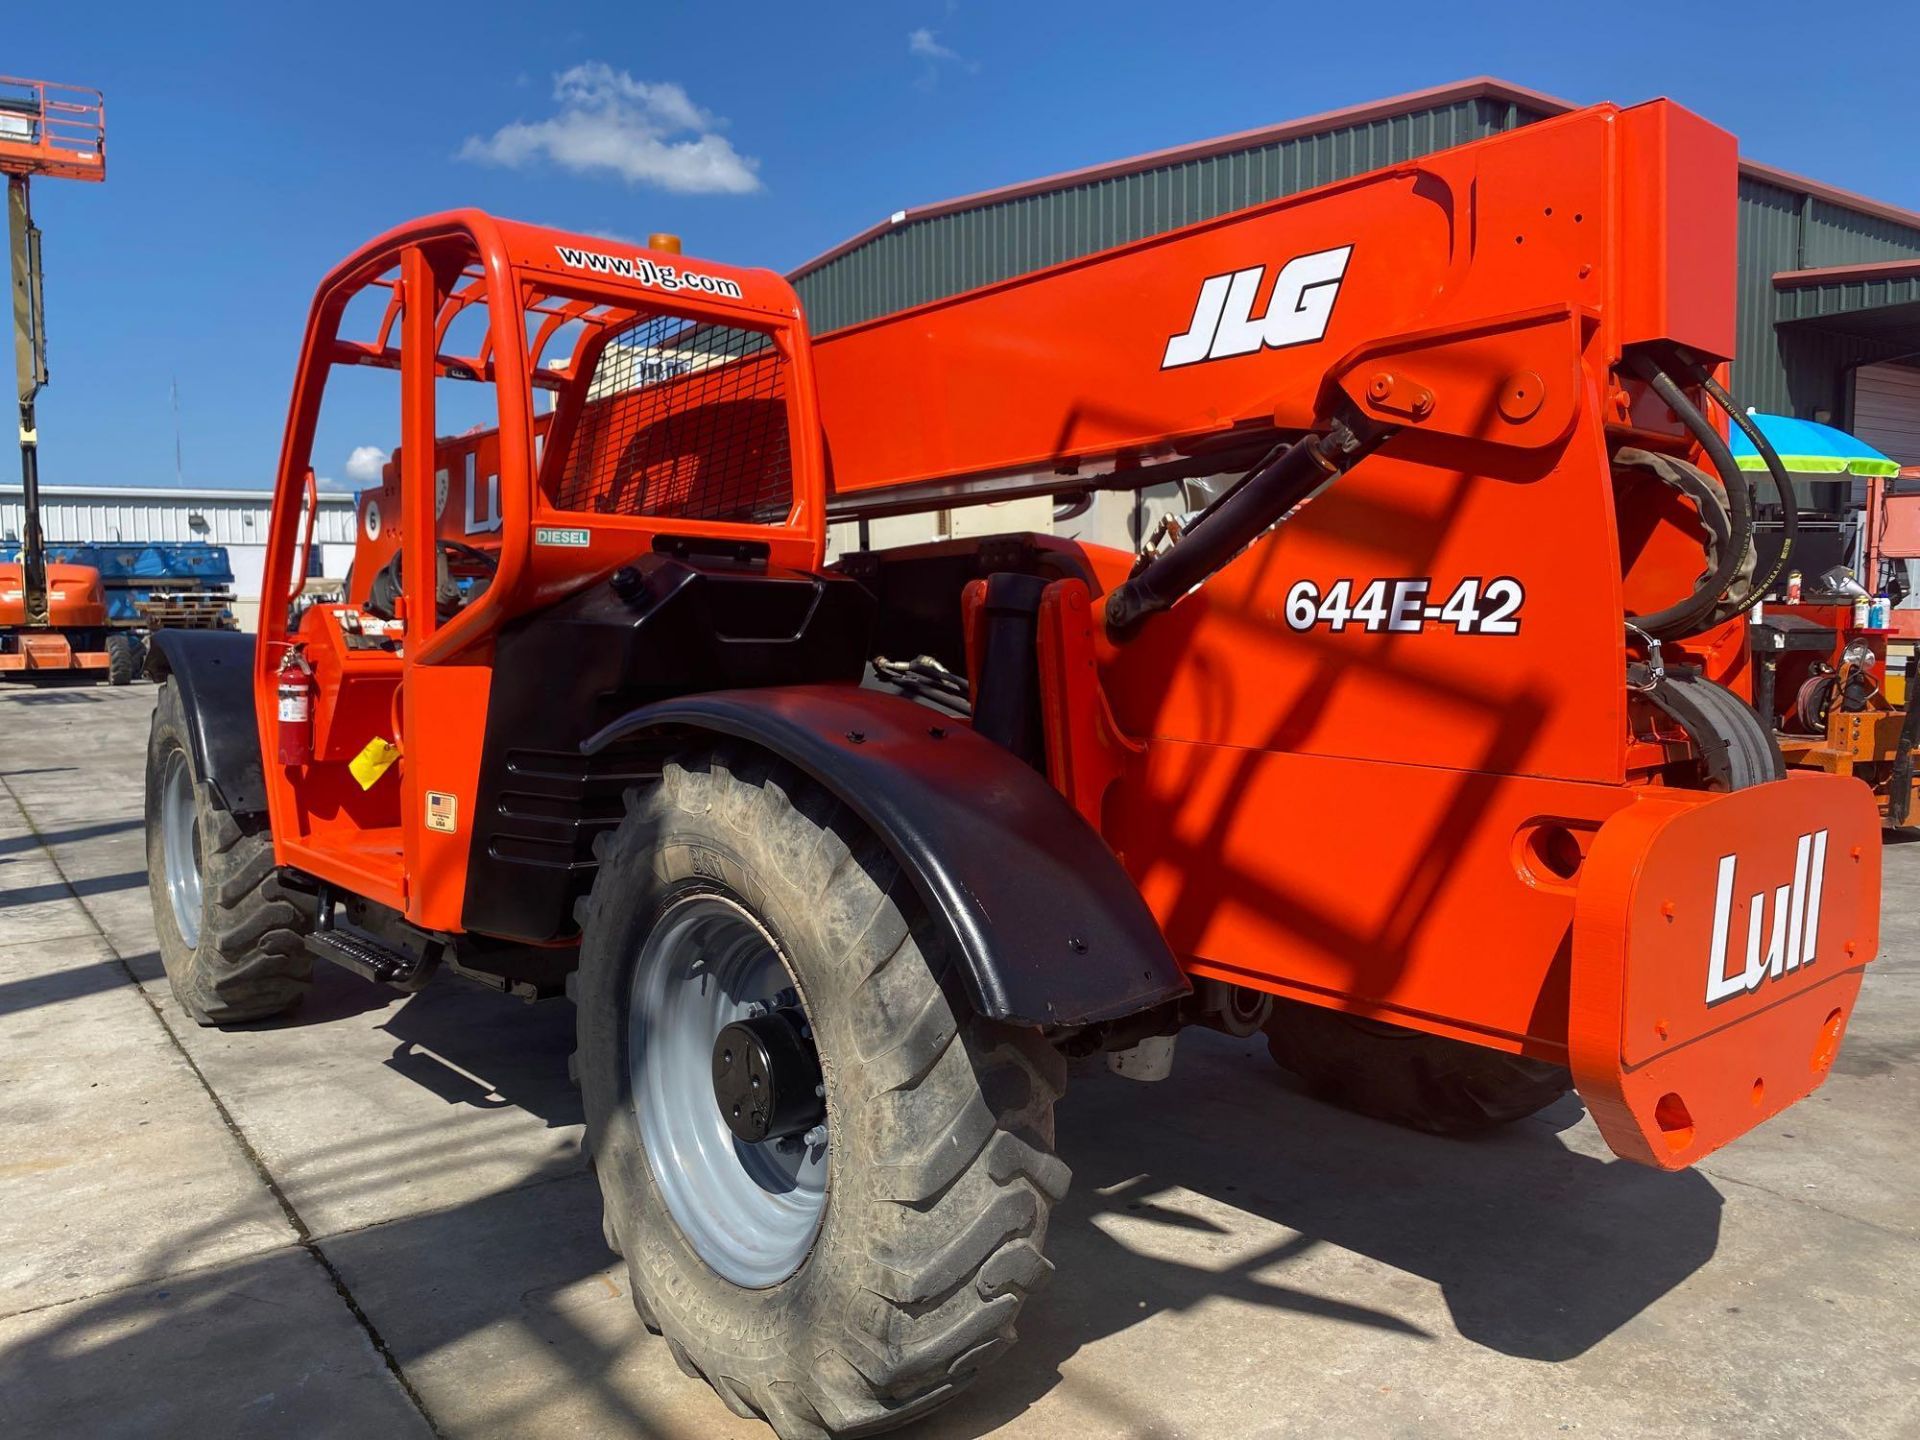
x=295 y=709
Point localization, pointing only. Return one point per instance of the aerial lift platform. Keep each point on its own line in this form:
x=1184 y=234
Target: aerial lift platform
x=53 y=618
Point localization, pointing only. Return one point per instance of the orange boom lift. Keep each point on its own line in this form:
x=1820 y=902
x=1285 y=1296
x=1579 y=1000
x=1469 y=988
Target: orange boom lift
x=53 y=618
x=1423 y=746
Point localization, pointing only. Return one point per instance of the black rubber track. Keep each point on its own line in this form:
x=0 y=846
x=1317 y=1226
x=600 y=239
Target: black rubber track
x=1425 y=1082
x=941 y=1168
x=252 y=959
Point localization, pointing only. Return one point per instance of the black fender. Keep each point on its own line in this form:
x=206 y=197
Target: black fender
x=1050 y=929
x=213 y=672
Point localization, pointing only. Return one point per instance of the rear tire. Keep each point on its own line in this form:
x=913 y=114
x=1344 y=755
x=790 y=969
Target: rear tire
x=1408 y=1077
x=120 y=659
x=938 y=1168
x=232 y=936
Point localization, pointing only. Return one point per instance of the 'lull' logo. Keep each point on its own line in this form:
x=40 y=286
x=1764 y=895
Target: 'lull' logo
x=1223 y=322
x=1794 y=929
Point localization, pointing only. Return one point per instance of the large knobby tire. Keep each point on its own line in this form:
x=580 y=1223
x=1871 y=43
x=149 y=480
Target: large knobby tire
x=231 y=934
x=932 y=1186
x=121 y=665
x=1425 y=1082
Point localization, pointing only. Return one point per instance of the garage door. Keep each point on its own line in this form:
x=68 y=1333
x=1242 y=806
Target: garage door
x=1886 y=410
x=1886 y=414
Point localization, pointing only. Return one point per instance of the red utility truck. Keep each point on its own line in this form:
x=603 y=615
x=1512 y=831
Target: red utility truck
x=1422 y=746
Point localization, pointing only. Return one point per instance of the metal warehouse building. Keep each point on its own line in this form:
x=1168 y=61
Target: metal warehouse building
x=237 y=519
x=1829 y=283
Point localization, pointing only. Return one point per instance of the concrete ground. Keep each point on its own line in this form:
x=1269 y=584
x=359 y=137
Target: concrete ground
x=372 y=1219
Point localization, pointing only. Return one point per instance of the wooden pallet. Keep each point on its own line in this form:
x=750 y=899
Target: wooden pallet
x=189 y=610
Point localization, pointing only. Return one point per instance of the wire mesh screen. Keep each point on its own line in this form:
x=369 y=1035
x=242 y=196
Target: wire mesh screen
x=683 y=420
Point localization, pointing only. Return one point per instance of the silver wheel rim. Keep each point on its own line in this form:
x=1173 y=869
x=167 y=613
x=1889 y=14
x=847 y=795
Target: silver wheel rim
x=750 y=1211
x=180 y=846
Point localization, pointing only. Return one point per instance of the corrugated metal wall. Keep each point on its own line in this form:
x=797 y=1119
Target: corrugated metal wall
x=922 y=260
x=99 y=514
x=1801 y=369
x=1769 y=240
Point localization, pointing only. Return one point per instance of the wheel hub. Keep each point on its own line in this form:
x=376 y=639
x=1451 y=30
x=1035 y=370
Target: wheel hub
x=715 y=1020
x=766 y=1077
x=180 y=846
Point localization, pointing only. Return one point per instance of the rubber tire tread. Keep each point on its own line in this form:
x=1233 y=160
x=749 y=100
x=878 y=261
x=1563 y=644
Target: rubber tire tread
x=1408 y=1077
x=943 y=1174
x=121 y=660
x=252 y=961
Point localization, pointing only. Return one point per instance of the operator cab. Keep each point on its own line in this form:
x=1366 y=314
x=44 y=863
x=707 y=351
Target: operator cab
x=531 y=410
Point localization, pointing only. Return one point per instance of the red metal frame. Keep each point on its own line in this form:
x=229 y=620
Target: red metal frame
x=65 y=125
x=432 y=697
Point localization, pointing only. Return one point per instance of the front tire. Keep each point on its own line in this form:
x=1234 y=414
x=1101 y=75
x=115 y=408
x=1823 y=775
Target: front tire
x=232 y=937
x=919 y=1230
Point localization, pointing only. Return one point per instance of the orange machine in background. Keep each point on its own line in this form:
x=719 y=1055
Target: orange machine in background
x=73 y=635
x=53 y=618
x=1839 y=701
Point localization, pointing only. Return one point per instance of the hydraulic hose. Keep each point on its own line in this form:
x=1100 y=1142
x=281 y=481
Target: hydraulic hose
x=1694 y=613
x=1237 y=519
x=1783 y=487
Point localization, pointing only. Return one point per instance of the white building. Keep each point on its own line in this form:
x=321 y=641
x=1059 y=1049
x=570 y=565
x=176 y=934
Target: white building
x=137 y=515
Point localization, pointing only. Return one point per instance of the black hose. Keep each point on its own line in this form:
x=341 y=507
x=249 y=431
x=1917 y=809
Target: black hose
x=1783 y=487
x=1693 y=614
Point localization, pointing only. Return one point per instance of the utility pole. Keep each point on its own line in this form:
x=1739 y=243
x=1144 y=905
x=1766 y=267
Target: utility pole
x=179 y=471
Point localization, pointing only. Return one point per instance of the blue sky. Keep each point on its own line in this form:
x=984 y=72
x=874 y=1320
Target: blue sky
x=251 y=146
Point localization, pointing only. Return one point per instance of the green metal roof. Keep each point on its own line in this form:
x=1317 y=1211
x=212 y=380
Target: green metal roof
x=1868 y=300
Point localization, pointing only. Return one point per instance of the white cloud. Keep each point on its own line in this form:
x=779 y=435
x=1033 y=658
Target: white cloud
x=922 y=44
x=925 y=45
x=648 y=133
x=364 y=464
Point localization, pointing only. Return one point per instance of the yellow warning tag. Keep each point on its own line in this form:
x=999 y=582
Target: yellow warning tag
x=373 y=762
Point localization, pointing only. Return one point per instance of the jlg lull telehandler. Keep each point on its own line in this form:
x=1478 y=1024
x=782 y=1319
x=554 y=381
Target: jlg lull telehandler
x=1422 y=745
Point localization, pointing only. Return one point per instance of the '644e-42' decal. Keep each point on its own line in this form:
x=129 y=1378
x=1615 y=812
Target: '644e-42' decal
x=1408 y=606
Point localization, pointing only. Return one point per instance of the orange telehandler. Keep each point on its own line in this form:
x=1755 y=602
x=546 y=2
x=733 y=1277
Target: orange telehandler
x=1420 y=746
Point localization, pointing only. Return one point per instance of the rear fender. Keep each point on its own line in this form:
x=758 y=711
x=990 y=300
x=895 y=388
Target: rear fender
x=1718 y=947
x=1050 y=929
x=213 y=672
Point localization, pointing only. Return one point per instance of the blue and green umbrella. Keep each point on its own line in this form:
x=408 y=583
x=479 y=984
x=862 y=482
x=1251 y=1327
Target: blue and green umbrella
x=1811 y=450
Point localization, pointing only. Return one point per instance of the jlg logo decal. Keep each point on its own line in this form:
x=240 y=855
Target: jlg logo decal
x=1297 y=312
x=1795 y=923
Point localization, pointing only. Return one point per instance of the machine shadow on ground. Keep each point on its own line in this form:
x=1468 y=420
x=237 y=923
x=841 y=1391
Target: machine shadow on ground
x=1539 y=1251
